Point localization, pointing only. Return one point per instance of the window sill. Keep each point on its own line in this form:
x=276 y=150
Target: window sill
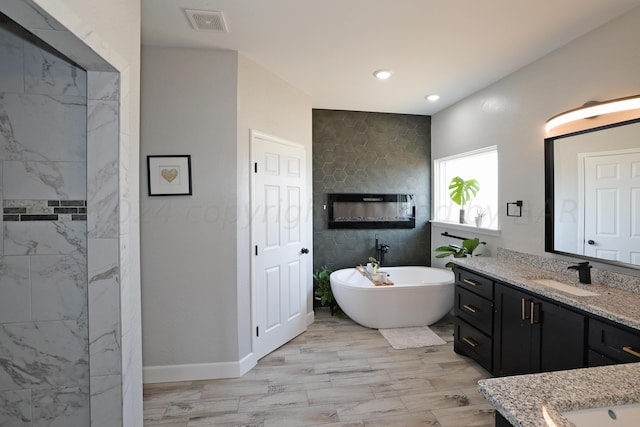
x=466 y=227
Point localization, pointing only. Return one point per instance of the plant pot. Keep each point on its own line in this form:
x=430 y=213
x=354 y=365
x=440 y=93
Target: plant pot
x=461 y=216
x=479 y=221
x=479 y=250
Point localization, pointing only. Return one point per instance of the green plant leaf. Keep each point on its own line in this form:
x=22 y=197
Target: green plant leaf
x=322 y=280
x=457 y=251
x=470 y=245
x=463 y=191
x=448 y=248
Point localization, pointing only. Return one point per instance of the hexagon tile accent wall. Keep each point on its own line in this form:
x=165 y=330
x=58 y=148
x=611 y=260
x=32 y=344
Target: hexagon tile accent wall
x=362 y=152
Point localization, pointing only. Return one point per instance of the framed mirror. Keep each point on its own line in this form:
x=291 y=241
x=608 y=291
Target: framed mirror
x=592 y=187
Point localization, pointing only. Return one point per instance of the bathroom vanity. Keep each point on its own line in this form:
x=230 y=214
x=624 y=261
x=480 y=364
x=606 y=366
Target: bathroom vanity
x=514 y=318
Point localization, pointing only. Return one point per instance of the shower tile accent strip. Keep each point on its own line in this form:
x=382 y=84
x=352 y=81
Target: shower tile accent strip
x=45 y=210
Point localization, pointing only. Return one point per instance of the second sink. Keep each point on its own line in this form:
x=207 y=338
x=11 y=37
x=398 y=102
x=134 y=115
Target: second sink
x=565 y=288
x=616 y=416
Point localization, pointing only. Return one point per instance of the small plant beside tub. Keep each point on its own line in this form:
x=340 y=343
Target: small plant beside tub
x=322 y=290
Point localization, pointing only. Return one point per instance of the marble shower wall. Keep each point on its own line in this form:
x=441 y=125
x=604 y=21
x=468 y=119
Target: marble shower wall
x=104 y=250
x=44 y=330
x=362 y=152
x=115 y=368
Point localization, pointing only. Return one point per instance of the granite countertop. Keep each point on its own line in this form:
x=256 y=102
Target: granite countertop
x=538 y=399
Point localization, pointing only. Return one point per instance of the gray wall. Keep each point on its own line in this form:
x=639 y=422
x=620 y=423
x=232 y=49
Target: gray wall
x=184 y=113
x=362 y=152
x=511 y=114
x=196 y=258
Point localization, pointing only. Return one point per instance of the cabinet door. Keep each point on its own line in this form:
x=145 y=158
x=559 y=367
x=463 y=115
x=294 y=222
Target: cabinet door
x=535 y=335
x=513 y=338
x=562 y=337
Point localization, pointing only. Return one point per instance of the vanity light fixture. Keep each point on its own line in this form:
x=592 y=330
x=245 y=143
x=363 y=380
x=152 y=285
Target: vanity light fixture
x=382 y=74
x=433 y=97
x=593 y=109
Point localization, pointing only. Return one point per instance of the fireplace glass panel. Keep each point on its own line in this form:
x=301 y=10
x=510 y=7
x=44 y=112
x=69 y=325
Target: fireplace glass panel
x=348 y=210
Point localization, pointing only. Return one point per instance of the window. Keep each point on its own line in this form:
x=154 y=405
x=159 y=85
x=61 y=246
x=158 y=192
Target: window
x=481 y=165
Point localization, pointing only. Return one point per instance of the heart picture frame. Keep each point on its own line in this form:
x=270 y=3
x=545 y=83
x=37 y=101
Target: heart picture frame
x=169 y=175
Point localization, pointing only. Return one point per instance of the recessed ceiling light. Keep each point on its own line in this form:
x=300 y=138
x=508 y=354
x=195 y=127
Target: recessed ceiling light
x=432 y=98
x=382 y=74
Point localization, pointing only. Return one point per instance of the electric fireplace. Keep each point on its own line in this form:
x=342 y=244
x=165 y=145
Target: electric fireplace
x=358 y=210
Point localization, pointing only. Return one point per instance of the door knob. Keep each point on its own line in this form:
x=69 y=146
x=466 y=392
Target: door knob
x=591 y=242
x=305 y=251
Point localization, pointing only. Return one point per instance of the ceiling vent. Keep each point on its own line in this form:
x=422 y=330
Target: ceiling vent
x=207 y=20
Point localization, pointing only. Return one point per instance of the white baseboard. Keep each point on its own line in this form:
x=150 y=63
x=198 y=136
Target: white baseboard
x=203 y=371
x=197 y=371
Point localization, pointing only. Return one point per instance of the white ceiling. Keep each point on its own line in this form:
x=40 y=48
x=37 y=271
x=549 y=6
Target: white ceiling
x=330 y=48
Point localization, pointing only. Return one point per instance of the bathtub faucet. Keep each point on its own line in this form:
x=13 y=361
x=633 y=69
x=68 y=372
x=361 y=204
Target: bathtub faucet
x=381 y=249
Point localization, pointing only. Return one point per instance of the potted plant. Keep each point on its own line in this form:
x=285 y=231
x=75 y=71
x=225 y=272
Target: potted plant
x=468 y=247
x=462 y=191
x=322 y=291
x=480 y=217
x=374 y=264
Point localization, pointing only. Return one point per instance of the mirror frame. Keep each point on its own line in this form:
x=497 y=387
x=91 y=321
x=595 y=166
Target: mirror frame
x=549 y=226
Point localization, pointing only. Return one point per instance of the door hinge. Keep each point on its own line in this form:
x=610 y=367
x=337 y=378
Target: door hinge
x=256 y=250
x=257 y=331
x=255 y=167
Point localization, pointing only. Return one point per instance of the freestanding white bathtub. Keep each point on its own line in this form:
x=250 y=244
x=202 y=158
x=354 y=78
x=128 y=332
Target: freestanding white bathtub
x=420 y=296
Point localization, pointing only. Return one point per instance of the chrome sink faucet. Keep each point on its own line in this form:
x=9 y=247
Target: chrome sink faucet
x=584 y=271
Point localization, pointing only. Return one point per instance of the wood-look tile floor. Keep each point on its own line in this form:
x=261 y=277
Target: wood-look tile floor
x=337 y=373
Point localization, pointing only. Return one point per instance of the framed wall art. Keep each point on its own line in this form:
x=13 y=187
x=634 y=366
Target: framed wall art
x=169 y=175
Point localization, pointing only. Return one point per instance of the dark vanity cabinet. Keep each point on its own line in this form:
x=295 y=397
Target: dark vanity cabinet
x=509 y=331
x=611 y=343
x=533 y=334
x=473 y=310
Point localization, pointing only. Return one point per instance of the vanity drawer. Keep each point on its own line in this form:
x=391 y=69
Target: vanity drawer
x=621 y=345
x=476 y=310
x=473 y=343
x=596 y=359
x=474 y=282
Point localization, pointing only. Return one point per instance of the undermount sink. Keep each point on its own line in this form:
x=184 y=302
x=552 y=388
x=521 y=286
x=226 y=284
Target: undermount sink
x=565 y=288
x=615 y=416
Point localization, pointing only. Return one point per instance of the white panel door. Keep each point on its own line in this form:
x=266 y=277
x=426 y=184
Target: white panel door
x=612 y=207
x=278 y=235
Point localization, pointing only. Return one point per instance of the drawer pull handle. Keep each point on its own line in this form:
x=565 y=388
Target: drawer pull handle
x=630 y=350
x=469 y=341
x=523 y=309
x=533 y=309
x=470 y=308
x=470 y=282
